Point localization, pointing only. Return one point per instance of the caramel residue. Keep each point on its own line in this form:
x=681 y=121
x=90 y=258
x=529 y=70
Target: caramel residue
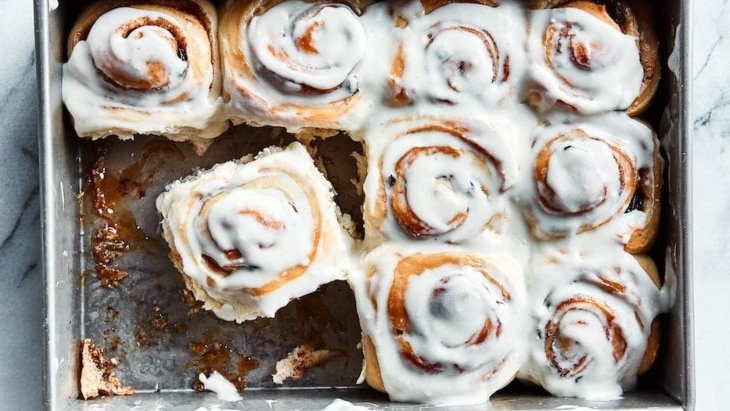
x=216 y=356
x=149 y=333
x=110 y=193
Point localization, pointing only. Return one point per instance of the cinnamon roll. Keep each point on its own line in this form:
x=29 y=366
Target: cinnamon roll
x=249 y=237
x=592 y=56
x=596 y=174
x=596 y=326
x=454 y=53
x=145 y=67
x=292 y=63
x=440 y=325
x=443 y=180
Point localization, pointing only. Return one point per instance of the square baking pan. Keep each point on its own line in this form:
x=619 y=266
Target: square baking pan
x=157 y=361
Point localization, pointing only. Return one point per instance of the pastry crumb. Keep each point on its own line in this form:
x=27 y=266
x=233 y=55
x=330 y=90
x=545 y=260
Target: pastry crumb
x=97 y=374
x=299 y=361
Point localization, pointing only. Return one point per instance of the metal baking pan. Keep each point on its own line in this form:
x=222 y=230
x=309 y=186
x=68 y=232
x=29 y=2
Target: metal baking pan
x=158 y=362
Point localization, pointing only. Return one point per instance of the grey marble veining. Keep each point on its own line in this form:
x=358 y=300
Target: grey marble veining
x=20 y=279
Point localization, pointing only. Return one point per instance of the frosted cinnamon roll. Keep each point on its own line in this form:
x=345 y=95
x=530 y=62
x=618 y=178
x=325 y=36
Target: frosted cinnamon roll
x=596 y=321
x=145 y=67
x=436 y=179
x=292 y=63
x=592 y=56
x=440 y=325
x=454 y=53
x=249 y=237
x=596 y=174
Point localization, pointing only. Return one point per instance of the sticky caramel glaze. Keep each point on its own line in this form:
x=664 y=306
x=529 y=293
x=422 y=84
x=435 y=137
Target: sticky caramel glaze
x=631 y=17
x=108 y=195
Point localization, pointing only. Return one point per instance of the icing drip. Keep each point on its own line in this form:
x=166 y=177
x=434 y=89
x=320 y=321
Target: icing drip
x=252 y=236
x=442 y=321
x=143 y=71
x=580 y=62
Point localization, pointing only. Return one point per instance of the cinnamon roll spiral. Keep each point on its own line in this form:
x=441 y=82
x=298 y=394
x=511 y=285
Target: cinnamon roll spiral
x=590 y=57
x=440 y=324
x=292 y=63
x=456 y=53
x=145 y=67
x=597 y=174
x=596 y=322
x=437 y=179
x=250 y=237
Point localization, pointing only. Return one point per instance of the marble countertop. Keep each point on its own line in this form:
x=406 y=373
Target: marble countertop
x=20 y=276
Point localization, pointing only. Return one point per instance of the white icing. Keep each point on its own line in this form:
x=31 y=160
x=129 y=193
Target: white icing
x=609 y=77
x=462 y=54
x=577 y=279
x=584 y=174
x=137 y=82
x=342 y=405
x=453 y=177
x=448 y=307
x=338 y=42
x=217 y=383
x=299 y=58
x=260 y=221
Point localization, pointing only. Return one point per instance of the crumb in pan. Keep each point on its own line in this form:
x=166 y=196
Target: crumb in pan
x=299 y=361
x=97 y=374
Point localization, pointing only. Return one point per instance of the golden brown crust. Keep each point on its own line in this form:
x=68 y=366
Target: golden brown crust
x=650 y=184
x=652 y=347
x=649 y=268
x=372 y=367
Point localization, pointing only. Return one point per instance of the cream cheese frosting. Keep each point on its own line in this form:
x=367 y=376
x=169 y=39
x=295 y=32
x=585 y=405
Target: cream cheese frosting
x=251 y=236
x=146 y=71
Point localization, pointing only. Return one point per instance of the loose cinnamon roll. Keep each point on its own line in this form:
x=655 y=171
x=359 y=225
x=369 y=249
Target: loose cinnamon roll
x=292 y=63
x=249 y=237
x=145 y=67
x=454 y=53
x=440 y=325
x=596 y=174
x=437 y=179
x=592 y=56
x=596 y=321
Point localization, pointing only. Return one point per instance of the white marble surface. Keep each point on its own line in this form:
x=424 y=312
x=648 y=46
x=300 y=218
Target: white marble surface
x=20 y=277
